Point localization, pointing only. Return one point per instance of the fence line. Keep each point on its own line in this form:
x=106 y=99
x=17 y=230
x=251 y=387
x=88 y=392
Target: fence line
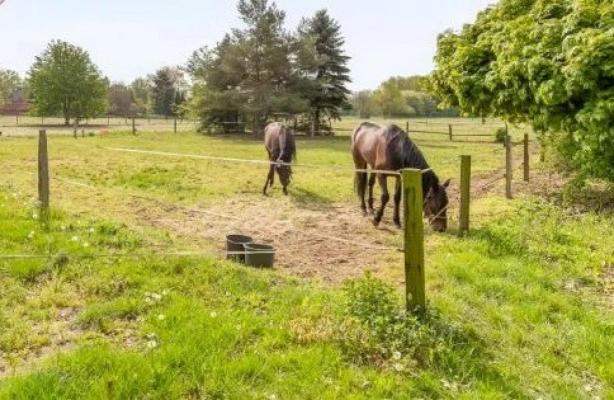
x=261 y=162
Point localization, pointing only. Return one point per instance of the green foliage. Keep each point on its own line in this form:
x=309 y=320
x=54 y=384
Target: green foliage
x=549 y=63
x=323 y=66
x=10 y=85
x=407 y=97
x=500 y=135
x=168 y=91
x=377 y=332
x=141 y=93
x=63 y=80
x=121 y=101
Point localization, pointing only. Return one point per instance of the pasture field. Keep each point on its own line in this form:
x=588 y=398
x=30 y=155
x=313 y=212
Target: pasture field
x=520 y=308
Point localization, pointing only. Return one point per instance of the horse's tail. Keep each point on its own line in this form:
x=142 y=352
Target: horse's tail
x=360 y=183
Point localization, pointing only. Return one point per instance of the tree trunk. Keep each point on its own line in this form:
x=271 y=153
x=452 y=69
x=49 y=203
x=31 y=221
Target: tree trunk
x=316 y=122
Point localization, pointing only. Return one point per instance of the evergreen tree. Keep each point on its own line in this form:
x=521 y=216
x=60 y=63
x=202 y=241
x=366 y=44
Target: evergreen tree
x=323 y=62
x=168 y=91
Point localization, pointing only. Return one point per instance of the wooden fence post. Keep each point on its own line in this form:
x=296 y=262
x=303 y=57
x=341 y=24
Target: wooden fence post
x=43 y=175
x=133 y=126
x=508 y=167
x=465 y=194
x=450 y=132
x=406 y=126
x=175 y=125
x=526 y=158
x=414 y=240
x=75 y=127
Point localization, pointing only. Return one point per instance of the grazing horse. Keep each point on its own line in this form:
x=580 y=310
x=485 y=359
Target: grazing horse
x=390 y=149
x=281 y=146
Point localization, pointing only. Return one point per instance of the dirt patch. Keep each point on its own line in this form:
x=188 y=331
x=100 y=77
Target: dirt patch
x=331 y=242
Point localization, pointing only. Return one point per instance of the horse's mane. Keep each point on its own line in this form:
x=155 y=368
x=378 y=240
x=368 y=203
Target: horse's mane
x=403 y=153
x=287 y=145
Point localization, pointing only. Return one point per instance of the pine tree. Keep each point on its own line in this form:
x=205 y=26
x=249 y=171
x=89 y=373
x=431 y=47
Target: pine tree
x=323 y=62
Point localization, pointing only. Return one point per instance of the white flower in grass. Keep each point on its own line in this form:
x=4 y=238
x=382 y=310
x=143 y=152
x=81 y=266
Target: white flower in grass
x=164 y=292
x=398 y=367
x=152 y=344
x=156 y=297
x=86 y=244
x=213 y=314
x=161 y=317
x=92 y=230
x=397 y=355
x=31 y=235
x=63 y=227
x=75 y=238
x=34 y=216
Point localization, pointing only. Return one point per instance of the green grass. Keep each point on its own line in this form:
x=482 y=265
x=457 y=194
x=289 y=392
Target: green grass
x=517 y=308
x=517 y=304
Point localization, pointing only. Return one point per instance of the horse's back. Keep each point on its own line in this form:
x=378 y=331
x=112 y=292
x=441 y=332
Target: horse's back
x=364 y=143
x=278 y=140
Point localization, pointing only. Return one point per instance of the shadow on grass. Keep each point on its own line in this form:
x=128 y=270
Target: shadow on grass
x=310 y=200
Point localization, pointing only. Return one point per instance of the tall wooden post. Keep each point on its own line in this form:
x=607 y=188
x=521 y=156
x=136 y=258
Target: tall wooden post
x=465 y=194
x=75 y=127
x=450 y=132
x=414 y=240
x=43 y=174
x=406 y=126
x=526 y=158
x=508 y=167
x=133 y=126
x=175 y=125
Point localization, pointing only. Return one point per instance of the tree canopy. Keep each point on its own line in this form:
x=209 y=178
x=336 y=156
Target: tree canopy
x=262 y=72
x=11 y=85
x=168 y=91
x=547 y=62
x=323 y=64
x=63 y=80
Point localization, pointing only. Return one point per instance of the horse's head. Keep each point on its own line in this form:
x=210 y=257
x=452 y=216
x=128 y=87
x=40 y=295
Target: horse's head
x=285 y=174
x=436 y=206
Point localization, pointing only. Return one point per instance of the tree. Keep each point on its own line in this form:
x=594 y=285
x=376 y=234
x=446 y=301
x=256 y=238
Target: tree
x=141 y=93
x=121 y=101
x=550 y=63
x=324 y=64
x=363 y=104
x=63 y=80
x=168 y=91
x=249 y=76
x=11 y=85
x=390 y=100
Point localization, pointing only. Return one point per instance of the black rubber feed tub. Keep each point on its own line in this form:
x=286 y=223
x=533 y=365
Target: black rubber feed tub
x=259 y=255
x=235 y=247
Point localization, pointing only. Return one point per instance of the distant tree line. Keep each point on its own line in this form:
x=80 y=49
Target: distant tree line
x=63 y=81
x=400 y=97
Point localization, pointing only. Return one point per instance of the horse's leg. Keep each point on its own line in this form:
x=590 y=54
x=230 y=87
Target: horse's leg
x=269 y=179
x=382 y=180
x=361 y=185
x=397 y=202
x=371 y=185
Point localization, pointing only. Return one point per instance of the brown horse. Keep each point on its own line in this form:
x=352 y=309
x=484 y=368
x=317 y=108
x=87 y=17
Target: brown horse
x=390 y=149
x=281 y=146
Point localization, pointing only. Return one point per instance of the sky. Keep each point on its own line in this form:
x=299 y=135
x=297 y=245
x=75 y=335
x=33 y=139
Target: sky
x=132 y=38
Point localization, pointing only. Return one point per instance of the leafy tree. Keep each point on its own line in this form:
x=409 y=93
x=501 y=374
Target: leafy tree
x=11 y=85
x=550 y=63
x=363 y=104
x=168 y=91
x=141 y=93
x=390 y=100
x=121 y=100
x=63 y=80
x=323 y=63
